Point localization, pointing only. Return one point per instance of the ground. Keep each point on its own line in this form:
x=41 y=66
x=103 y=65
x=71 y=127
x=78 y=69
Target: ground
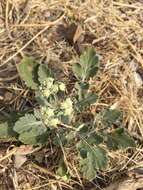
x=55 y=32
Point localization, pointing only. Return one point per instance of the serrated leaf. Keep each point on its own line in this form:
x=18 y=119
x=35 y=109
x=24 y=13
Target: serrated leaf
x=95 y=160
x=29 y=129
x=43 y=73
x=27 y=70
x=111 y=116
x=88 y=66
x=119 y=140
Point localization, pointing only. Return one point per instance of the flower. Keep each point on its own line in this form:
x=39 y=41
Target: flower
x=67 y=106
x=50 y=87
x=62 y=86
x=49 y=116
x=54 y=122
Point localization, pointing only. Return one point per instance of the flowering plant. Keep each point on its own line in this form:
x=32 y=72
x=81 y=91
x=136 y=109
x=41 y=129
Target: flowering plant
x=63 y=119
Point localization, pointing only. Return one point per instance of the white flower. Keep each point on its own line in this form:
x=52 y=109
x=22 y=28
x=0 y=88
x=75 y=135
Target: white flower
x=54 y=122
x=50 y=112
x=49 y=82
x=47 y=111
x=62 y=86
x=46 y=93
x=67 y=106
x=54 y=88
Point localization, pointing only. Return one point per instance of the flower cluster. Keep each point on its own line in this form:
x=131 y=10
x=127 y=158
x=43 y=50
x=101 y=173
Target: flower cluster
x=49 y=116
x=67 y=107
x=52 y=116
x=50 y=87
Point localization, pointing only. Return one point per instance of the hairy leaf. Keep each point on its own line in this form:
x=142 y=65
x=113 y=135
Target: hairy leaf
x=7 y=124
x=43 y=73
x=77 y=70
x=29 y=129
x=28 y=72
x=94 y=139
x=88 y=65
x=62 y=169
x=111 y=116
x=87 y=101
x=34 y=138
x=93 y=160
x=119 y=140
x=6 y=130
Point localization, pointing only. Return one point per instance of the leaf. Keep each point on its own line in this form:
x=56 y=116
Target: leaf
x=43 y=73
x=62 y=169
x=87 y=101
x=119 y=140
x=30 y=130
x=95 y=160
x=28 y=72
x=94 y=139
x=6 y=130
x=7 y=124
x=111 y=116
x=34 y=138
x=88 y=66
x=77 y=70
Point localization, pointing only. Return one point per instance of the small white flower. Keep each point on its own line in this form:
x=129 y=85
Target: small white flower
x=54 y=122
x=62 y=86
x=67 y=106
x=46 y=93
x=54 y=89
x=50 y=112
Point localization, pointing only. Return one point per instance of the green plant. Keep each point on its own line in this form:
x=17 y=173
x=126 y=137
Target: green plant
x=60 y=116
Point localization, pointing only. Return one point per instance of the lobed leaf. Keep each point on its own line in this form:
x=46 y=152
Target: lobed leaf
x=27 y=70
x=111 y=116
x=6 y=130
x=87 y=101
x=29 y=129
x=93 y=160
x=119 y=140
x=43 y=73
x=88 y=66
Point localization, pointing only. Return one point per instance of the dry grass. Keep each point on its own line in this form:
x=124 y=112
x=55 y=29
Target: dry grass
x=114 y=28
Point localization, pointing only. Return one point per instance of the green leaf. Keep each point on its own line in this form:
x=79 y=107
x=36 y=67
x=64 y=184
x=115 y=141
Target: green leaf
x=7 y=124
x=77 y=70
x=28 y=72
x=93 y=161
x=43 y=73
x=6 y=130
x=62 y=169
x=95 y=139
x=88 y=66
x=119 y=140
x=83 y=130
x=87 y=101
x=33 y=138
x=111 y=116
x=29 y=129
